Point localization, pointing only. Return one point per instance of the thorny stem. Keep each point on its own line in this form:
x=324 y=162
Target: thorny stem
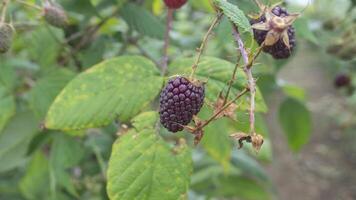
x=169 y=23
x=232 y=80
x=204 y=42
x=224 y=108
x=5 y=3
x=248 y=72
x=29 y=5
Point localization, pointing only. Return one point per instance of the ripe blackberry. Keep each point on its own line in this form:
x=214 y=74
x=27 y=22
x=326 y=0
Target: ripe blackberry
x=174 y=4
x=279 y=50
x=342 y=80
x=6 y=33
x=180 y=99
x=55 y=15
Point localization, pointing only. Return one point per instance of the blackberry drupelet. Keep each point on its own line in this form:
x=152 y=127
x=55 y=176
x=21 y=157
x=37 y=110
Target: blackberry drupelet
x=180 y=100
x=278 y=50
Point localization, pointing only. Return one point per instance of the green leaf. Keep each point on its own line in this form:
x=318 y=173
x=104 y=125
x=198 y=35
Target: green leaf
x=217 y=73
x=296 y=122
x=143 y=166
x=141 y=20
x=145 y=120
x=15 y=139
x=244 y=188
x=43 y=47
x=249 y=166
x=7 y=75
x=236 y=15
x=46 y=89
x=302 y=29
x=203 y=5
x=294 y=92
x=7 y=107
x=217 y=143
x=116 y=88
x=34 y=185
x=62 y=151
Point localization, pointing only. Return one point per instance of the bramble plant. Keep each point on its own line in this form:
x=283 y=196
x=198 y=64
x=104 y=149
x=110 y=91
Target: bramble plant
x=101 y=100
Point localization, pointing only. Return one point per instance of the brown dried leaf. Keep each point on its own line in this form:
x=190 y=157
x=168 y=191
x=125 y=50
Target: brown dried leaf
x=228 y=112
x=257 y=141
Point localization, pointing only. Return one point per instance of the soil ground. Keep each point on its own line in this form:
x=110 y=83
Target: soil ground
x=325 y=169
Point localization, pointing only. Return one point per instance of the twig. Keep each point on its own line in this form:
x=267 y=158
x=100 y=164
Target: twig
x=165 y=58
x=5 y=3
x=248 y=72
x=29 y=5
x=232 y=80
x=224 y=108
x=204 y=42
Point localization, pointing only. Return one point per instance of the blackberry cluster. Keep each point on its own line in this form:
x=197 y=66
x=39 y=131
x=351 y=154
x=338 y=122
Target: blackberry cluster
x=342 y=80
x=279 y=50
x=180 y=99
x=6 y=33
x=174 y=4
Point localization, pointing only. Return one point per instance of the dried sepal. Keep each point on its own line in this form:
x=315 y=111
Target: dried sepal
x=229 y=112
x=257 y=141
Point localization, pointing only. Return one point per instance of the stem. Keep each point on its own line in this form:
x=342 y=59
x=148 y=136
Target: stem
x=204 y=42
x=248 y=72
x=232 y=80
x=224 y=108
x=5 y=3
x=165 y=58
x=29 y=5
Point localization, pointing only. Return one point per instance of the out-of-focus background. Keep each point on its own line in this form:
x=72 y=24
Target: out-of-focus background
x=308 y=116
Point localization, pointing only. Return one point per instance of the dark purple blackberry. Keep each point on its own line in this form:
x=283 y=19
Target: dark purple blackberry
x=279 y=50
x=342 y=80
x=180 y=99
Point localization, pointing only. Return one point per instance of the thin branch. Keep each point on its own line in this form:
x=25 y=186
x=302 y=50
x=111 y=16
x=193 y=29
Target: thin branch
x=5 y=3
x=224 y=108
x=29 y=5
x=232 y=80
x=204 y=42
x=169 y=23
x=248 y=72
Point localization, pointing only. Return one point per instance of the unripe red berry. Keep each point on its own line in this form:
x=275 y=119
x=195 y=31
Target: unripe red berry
x=174 y=4
x=55 y=15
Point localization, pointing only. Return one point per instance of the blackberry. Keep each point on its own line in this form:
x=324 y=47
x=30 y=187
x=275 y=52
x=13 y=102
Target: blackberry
x=342 y=80
x=55 y=15
x=6 y=33
x=174 y=4
x=279 y=50
x=180 y=100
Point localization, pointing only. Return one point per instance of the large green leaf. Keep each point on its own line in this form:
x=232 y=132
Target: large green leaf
x=236 y=15
x=34 y=185
x=7 y=107
x=143 y=166
x=116 y=88
x=46 y=89
x=217 y=73
x=217 y=143
x=296 y=122
x=145 y=120
x=141 y=20
x=15 y=139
